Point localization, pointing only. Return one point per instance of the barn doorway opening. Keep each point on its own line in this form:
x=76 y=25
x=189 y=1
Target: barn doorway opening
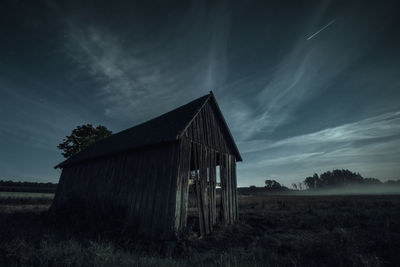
x=192 y=207
x=202 y=196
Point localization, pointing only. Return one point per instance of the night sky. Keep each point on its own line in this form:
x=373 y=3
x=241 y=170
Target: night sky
x=305 y=86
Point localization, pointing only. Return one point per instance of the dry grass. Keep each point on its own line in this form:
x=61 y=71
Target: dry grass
x=24 y=202
x=25 y=195
x=273 y=231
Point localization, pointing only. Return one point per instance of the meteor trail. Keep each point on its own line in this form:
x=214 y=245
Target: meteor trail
x=323 y=28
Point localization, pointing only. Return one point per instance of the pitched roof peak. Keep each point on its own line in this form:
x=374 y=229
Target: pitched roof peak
x=165 y=128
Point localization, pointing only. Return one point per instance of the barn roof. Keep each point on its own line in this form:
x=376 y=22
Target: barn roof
x=165 y=128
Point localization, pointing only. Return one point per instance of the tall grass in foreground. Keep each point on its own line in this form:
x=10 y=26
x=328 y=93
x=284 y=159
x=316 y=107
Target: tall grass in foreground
x=273 y=231
x=48 y=252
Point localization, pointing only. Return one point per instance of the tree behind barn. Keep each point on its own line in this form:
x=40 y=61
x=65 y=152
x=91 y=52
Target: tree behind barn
x=81 y=137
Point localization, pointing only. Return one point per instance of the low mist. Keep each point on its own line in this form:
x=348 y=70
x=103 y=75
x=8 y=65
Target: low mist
x=352 y=190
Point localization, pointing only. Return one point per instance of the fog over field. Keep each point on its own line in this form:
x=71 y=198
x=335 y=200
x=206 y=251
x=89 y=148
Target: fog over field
x=355 y=190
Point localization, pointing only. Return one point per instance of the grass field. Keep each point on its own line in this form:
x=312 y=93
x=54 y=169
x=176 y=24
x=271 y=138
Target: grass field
x=23 y=201
x=361 y=230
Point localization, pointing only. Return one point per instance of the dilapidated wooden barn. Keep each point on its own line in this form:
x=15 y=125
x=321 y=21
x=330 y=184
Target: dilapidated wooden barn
x=141 y=175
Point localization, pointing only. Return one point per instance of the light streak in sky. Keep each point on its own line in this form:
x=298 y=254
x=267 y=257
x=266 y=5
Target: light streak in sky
x=320 y=30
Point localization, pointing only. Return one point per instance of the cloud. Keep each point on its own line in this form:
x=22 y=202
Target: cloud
x=306 y=71
x=148 y=76
x=123 y=79
x=385 y=125
x=371 y=145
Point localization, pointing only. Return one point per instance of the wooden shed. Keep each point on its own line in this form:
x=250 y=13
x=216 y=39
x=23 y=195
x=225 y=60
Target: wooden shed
x=140 y=176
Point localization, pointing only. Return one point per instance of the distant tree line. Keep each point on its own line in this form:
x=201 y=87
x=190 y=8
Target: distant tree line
x=273 y=185
x=342 y=178
x=270 y=185
x=11 y=186
x=330 y=179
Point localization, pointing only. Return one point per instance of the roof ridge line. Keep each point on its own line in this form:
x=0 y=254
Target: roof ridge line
x=179 y=135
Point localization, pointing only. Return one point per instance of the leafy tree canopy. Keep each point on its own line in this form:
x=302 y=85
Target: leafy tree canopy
x=81 y=137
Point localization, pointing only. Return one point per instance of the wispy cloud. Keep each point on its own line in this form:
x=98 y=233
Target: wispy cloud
x=284 y=91
x=304 y=74
x=385 y=125
x=123 y=78
x=369 y=145
x=148 y=76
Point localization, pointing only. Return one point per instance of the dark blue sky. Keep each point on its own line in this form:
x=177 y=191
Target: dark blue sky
x=305 y=86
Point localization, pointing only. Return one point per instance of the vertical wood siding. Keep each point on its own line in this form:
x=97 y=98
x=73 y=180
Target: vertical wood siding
x=204 y=164
x=229 y=204
x=182 y=191
x=205 y=141
x=206 y=129
x=137 y=188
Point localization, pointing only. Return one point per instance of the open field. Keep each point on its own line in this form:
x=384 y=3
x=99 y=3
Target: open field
x=23 y=201
x=25 y=195
x=361 y=230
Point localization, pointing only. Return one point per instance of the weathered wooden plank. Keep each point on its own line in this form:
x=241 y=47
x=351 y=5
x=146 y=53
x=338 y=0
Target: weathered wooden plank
x=206 y=129
x=182 y=195
x=186 y=183
x=230 y=190
x=141 y=176
x=137 y=165
x=163 y=180
x=196 y=154
x=227 y=189
x=178 y=202
x=171 y=196
x=214 y=180
x=150 y=199
x=212 y=188
x=223 y=181
x=235 y=188
x=204 y=189
x=203 y=206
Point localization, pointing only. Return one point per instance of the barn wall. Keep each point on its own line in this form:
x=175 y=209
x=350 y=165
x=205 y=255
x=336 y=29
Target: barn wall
x=137 y=189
